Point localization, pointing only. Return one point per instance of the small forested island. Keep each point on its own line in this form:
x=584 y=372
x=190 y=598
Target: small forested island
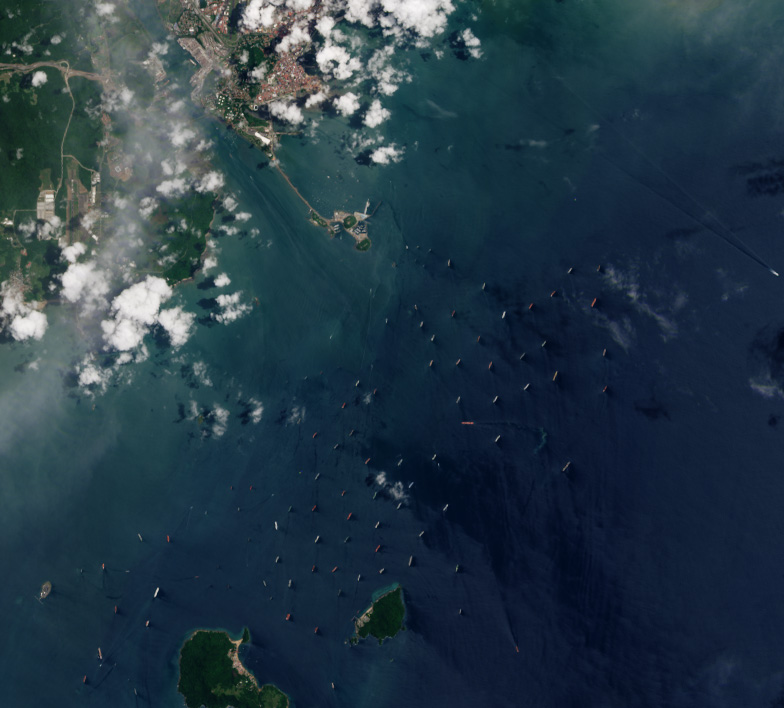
x=384 y=617
x=212 y=675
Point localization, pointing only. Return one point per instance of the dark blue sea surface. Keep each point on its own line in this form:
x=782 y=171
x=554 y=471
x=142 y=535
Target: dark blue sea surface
x=618 y=545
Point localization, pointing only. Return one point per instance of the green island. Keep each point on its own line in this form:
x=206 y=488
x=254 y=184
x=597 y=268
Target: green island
x=212 y=675
x=384 y=617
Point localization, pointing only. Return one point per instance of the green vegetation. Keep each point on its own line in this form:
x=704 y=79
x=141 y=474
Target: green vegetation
x=350 y=221
x=208 y=677
x=32 y=123
x=33 y=263
x=364 y=244
x=85 y=131
x=384 y=618
x=316 y=219
x=179 y=249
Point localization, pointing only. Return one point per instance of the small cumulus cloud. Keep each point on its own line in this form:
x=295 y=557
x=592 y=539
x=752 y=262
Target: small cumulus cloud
x=376 y=114
x=386 y=154
x=289 y=112
x=39 y=78
x=347 y=104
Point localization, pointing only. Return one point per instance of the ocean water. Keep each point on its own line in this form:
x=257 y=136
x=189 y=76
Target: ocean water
x=629 y=144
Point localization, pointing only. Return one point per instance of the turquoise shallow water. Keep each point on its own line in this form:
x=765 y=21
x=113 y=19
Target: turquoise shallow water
x=644 y=575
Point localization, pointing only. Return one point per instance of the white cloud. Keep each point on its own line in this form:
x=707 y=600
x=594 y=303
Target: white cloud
x=259 y=73
x=178 y=325
x=231 y=308
x=298 y=35
x=220 y=419
x=147 y=207
x=209 y=263
x=222 y=280
x=134 y=310
x=256 y=412
x=172 y=187
x=72 y=253
x=21 y=318
x=85 y=282
x=258 y=14
x=32 y=325
x=230 y=202
x=180 y=135
x=386 y=154
x=376 y=114
x=347 y=104
x=315 y=99
x=336 y=61
x=211 y=182
x=286 y=111
x=242 y=216
x=472 y=43
x=56 y=39
x=39 y=78
x=104 y=9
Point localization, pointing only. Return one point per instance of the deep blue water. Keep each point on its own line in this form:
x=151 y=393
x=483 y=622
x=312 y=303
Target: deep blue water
x=590 y=136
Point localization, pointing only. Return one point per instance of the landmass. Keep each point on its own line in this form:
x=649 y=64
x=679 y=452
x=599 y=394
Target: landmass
x=383 y=619
x=212 y=675
x=243 y=74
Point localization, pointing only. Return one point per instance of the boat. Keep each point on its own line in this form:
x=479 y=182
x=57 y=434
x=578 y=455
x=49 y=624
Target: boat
x=100 y=656
x=313 y=569
x=503 y=315
x=497 y=439
x=380 y=572
x=288 y=617
x=359 y=577
x=147 y=623
x=343 y=493
x=276 y=525
x=84 y=680
x=555 y=376
x=400 y=462
x=157 y=590
x=566 y=466
x=318 y=474
x=457 y=363
x=378 y=523
x=399 y=504
x=593 y=304
x=314 y=435
x=314 y=507
x=317 y=539
x=495 y=399
x=349 y=516
x=378 y=548
x=277 y=559
x=421 y=533
x=289 y=582
x=46 y=588
x=525 y=388
x=433 y=458
x=334 y=569
x=410 y=561
x=446 y=506
x=315 y=631
x=140 y=537
x=457 y=569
